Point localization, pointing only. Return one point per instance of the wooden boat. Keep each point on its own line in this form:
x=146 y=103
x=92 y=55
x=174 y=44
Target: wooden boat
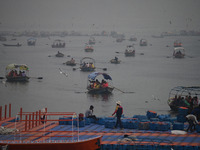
x=89 y=48
x=130 y=51
x=31 y=42
x=88 y=144
x=143 y=42
x=181 y=96
x=17 y=72
x=58 y=44
x=102 y=88
x=87 y=64
x=91 y=41
x=59 y=54
x=115 y=61
x=132 y=38
x=179 y=52
x=71 y=62
x=14 y=45
x=177 y=43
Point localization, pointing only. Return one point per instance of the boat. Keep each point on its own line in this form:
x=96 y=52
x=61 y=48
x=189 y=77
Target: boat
x=58 y=44
x=17 y=72
x=119 y=40
x=130 y=51
x=59 y=54
x=87 y=64
x=31 y=42
x=132 y=38
x=89 y=48
x=182 y=96
x=95 y=87
x=70 y=62
x=143 y=42
x=91 y=41
x=14 y=45
x=3 y=39
x=177 y=43
x=115 y=61
x=179 y=52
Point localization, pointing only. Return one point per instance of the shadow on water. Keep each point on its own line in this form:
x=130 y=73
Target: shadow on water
x=103 y=97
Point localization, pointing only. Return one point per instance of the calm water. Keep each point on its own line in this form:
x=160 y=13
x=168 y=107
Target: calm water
x=149 y=75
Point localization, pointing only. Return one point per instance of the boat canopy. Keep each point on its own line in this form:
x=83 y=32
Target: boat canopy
x=31 y=39
x=179 y=49
x=93 y=75
x=17 y=66
x=185 y=91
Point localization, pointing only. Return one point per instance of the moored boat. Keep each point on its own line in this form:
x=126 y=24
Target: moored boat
x=115 y=61
x=130 y=51
x=14 y=45
x=132 y=38
x=59 y=54
x=58 y=44
x=181 y=96
x=95 y=87
x=91 y=41
x=17 y=72
x=31 y=42
x=87 y=64
x=89 y=48
x=179 y=52
x=70 y=62
x=143 y=42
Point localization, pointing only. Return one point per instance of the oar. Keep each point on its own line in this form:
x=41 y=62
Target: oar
x=75 y=68
x=2 y=78
x=119 y=52
x=36 y=77
x=122 y=91
x=103 y=69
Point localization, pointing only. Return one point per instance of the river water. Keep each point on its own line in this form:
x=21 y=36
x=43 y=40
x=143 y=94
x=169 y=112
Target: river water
x=149 y=76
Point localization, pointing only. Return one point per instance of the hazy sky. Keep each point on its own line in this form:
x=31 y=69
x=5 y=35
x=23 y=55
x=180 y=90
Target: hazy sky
x=99 y=14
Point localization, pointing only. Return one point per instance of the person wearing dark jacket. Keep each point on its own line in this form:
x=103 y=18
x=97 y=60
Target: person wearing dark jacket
x=118 y=112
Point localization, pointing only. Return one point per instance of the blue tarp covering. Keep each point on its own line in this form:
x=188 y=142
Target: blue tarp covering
x=95 y=74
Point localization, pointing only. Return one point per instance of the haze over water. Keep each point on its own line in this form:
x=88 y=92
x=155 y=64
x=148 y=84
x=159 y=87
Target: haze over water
x=150 y=74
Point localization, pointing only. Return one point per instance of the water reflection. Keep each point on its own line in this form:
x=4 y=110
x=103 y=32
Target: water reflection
x=103 y=97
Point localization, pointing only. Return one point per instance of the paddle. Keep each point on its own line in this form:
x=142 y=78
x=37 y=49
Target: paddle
x=2 y=78
x=122 y=91
x=103 y=69
x=75 y=68
x=36 y=77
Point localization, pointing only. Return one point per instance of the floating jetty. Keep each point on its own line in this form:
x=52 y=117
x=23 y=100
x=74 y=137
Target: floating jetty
x=151 y=131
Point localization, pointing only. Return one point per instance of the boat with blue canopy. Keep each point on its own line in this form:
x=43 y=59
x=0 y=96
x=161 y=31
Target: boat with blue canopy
x=94 y=86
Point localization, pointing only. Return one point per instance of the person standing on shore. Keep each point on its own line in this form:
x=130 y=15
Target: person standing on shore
x=118 y=112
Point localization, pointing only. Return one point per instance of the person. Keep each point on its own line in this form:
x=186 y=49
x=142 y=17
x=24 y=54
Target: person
x=116 y=59
x=89 y=113
x=118 y=112
x=72 y=60
x=192 y=120
x=43 y=116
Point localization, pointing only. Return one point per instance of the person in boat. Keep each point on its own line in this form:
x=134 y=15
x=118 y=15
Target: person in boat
x=72 y=60
x=192 y=120
x=89 y=113
x=196 y=112
x=15 y=73
x=116 y=59
x=11 y=73
x=23 y=74
x=118 y=112
x=97 y=84
x=104 y=84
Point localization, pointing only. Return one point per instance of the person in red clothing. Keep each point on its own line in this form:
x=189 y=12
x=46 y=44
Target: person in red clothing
x=118 y=112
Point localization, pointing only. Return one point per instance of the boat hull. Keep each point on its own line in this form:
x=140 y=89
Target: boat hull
x=89 y=50
x=14 y=45
x=113 y=61
x=90 y=144
x=87 y=69
x=17 y=79
x=100 y=90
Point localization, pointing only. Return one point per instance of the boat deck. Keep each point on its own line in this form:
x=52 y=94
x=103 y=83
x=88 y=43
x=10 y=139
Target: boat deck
x=111 y=138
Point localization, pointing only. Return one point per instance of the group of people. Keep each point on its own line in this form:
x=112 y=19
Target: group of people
x=88 y=65
x=14 y=73
x=96 y=84
x=186 y=101
x=118 y=112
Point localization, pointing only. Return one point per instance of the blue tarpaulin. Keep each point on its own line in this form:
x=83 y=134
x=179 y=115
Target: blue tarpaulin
x=95 y=74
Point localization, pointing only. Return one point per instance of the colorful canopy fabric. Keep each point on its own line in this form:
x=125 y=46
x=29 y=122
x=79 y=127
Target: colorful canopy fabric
x=95 y=74
x=15 y=66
